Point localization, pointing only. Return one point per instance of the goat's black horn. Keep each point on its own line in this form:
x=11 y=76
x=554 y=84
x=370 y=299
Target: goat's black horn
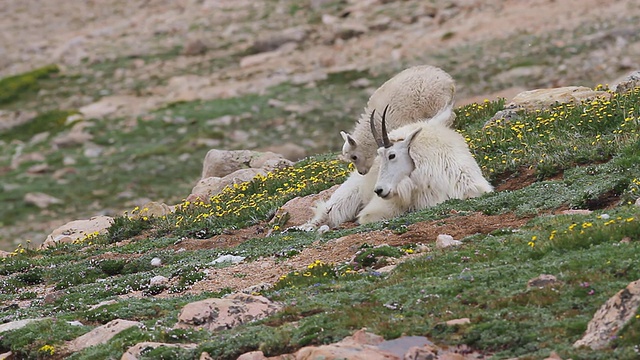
x=373 y=129
x=385 y=137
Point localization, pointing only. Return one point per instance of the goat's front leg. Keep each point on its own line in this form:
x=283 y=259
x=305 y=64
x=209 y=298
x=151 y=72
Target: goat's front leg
x=379 y=209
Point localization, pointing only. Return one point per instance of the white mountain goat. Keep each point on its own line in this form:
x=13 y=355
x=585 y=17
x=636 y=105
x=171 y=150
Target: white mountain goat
x=418 y=165
x=421 y=165
x=415 y=94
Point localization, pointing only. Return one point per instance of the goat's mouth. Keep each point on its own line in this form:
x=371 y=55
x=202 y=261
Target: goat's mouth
x=363 y=172
x=383 y=194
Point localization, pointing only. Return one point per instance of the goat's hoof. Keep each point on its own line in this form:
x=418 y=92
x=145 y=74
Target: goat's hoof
x=304 y=227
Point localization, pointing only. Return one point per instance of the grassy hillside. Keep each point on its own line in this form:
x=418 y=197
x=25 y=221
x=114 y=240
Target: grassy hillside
x=578 y=157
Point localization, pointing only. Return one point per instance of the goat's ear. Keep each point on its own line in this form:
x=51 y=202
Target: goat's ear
x=412 y=136
x=346 y=137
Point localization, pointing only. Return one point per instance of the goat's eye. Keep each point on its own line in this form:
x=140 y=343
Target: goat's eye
x=354 y=157
x=392 y=156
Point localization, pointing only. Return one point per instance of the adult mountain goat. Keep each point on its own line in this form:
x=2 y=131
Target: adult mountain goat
x=417 y=166
x=415 y=94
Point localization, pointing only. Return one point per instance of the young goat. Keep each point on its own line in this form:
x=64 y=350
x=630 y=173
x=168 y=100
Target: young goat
x=415 y=94
x=418 y=165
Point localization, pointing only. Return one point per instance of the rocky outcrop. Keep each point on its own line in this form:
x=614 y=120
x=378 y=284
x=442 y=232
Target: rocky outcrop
x=101 y=334
x=41 y=200
x=222 y=168
x=542 y=281
x=136 y=351
x=627 y=82
x=299 y=210
x=219 y=163
x=444 y=241
x=218 y=314
x=363 y=345
x=611 y=317
x=539 y=99
x=77 y=230
x=545 y=98
x=18 y=324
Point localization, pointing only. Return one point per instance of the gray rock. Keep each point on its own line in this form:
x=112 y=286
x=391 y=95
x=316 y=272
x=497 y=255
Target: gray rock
x=101 y=334
x=289 y=151
x=611 y=317
x=78 y=229
x=14 y=325
x=41 y=200
x=219 y=314
x=542 y=281
x=158 y=280
x=11 y=119
x=627 y=82
x=136 y=351
x=445 y=241
x=194 y=47
x=275 y=41
x=544 y=98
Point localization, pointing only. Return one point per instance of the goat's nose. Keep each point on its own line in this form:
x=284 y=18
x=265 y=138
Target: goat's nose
x=378 y=191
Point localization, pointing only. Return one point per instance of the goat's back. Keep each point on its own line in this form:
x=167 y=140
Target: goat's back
x=416 y=93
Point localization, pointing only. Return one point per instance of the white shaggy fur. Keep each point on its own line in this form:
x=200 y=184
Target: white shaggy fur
x=427 y=164
x=431 y=163
x=415 y=94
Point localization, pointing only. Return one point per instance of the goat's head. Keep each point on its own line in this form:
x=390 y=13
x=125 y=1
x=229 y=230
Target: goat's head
x=395 y=160
x=351 y=152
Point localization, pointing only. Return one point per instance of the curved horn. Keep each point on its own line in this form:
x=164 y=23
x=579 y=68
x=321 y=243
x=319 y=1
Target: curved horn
x=373 y=129
x=385 y=136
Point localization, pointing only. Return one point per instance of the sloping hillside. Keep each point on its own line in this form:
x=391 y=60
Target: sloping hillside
x=118 y=105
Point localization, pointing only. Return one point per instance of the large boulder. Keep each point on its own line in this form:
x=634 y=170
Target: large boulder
x=300 y=209
x=627 y=82
x=136 y=351
x=41 y=200
x=611 y=317
x=226 y=313
x=544 y=98
x=540 y=99
x=78 y=230
x=101 y=334
x=219 y=163
x=289 y=151
x=207 y=187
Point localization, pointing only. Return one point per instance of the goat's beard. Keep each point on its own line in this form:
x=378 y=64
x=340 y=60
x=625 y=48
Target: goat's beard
x=404 y=191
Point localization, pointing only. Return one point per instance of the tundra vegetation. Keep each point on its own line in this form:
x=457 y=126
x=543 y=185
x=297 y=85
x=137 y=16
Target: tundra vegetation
x=575 y=156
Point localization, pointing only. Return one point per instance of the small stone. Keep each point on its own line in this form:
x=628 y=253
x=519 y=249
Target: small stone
x=542 y=281
x=41 y=200
x=605 y=216
x=194 y=47
x=445 y=241
x=156 y=262
x=462 y=321
x=323 y=229
x=158 y=280
x=637 y=202
x=576 y=212
x=228 y=258
x=256 y=289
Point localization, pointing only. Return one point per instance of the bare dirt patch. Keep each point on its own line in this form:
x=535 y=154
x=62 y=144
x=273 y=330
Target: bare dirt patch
x=343 y=249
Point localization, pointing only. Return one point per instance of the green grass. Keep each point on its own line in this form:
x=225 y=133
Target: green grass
x=14 y=87
x=485 y=279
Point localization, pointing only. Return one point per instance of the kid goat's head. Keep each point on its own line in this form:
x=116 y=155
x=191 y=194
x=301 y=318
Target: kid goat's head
x=356 y=154
x=396 y=163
